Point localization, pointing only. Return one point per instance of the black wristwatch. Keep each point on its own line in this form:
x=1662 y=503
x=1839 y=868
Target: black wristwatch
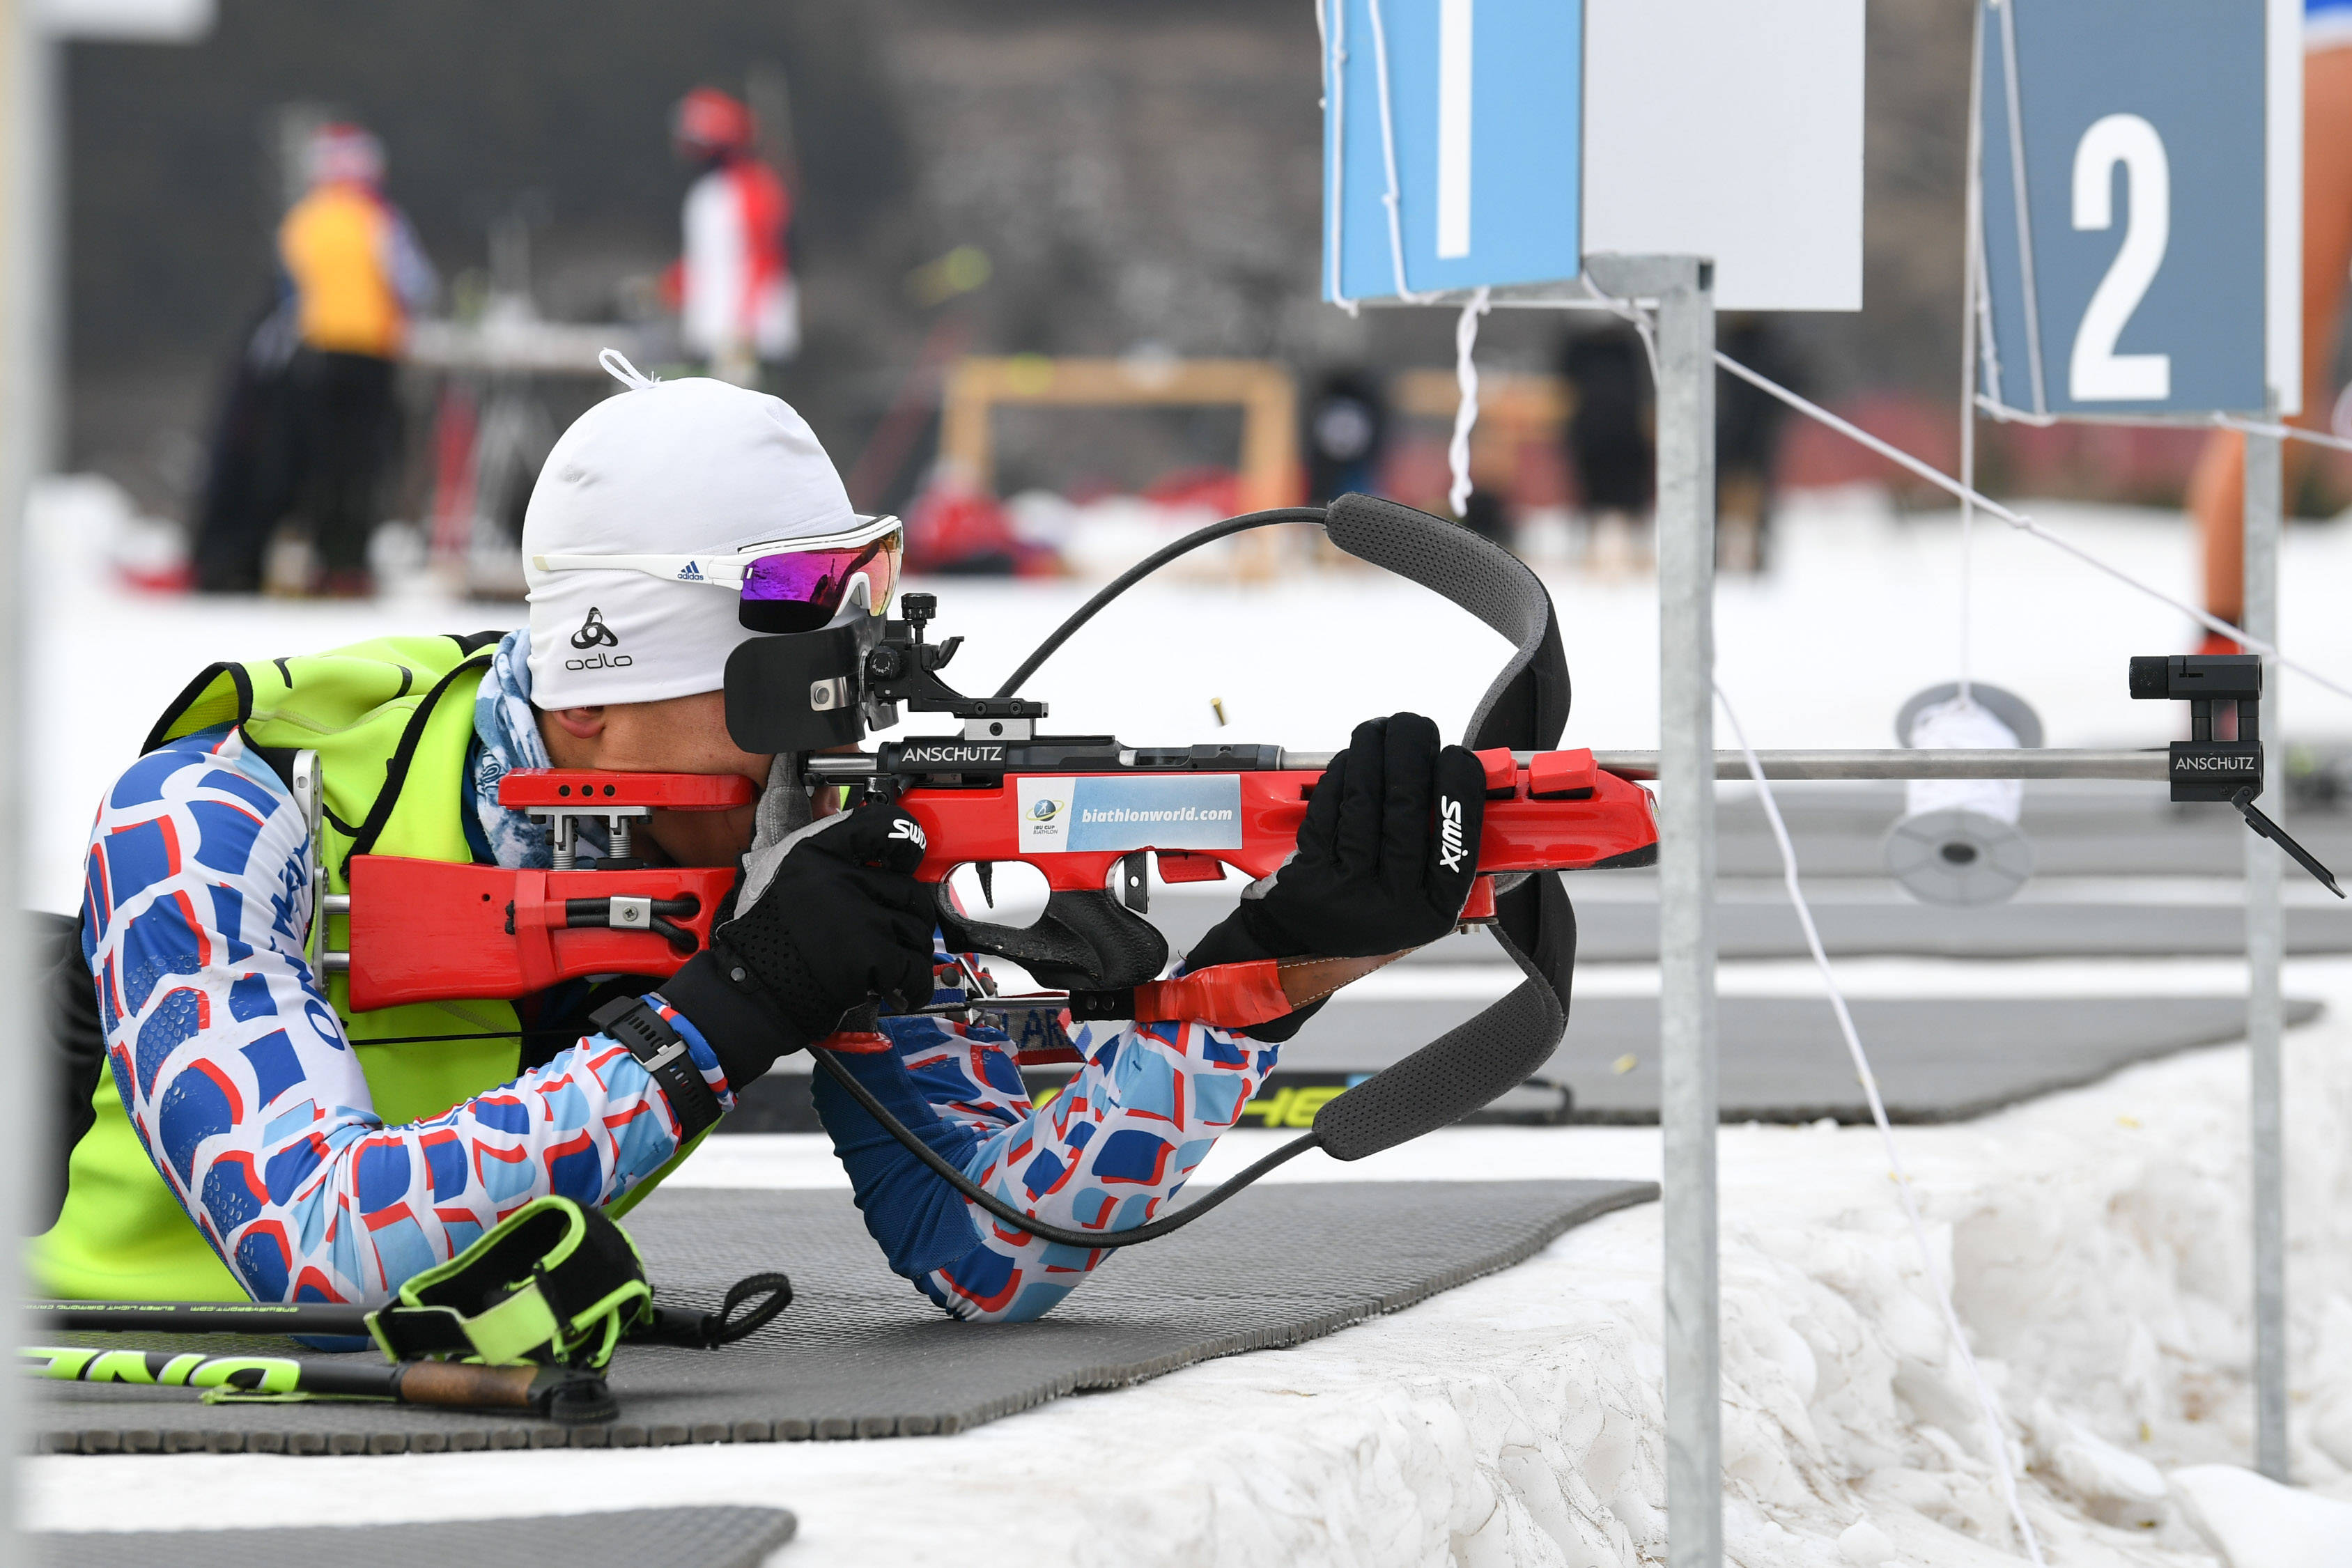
x=663 y=1052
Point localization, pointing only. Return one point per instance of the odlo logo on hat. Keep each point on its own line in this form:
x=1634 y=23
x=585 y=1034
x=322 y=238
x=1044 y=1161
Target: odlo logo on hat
x=594 y=633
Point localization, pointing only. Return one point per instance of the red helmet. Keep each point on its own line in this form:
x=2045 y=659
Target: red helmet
x=340 y=151
x=708 y=120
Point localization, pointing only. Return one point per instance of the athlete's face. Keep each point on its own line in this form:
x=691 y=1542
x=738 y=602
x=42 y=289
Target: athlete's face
x=680 y=734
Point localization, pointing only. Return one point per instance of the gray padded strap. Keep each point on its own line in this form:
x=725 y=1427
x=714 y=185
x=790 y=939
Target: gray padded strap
x=1530 y=695
x=1525 y=708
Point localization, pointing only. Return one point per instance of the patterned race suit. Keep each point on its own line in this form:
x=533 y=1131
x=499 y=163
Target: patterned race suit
x=238 y=1078
x=1143 y=1111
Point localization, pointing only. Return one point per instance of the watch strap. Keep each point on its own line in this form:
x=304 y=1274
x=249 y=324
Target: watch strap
x=663 y=1052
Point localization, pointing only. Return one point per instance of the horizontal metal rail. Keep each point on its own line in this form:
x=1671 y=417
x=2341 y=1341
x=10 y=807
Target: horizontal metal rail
x=2035 y=762
x=1893 y=762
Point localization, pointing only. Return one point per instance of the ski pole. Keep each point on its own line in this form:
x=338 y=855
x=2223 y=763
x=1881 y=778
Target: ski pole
x=320 y=1318
x=660 y=1325
x=559 y=1393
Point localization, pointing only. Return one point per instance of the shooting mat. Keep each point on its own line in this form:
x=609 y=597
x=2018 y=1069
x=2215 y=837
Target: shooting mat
x=726 y=1536
x=860 y=1355
x=1781 y=1059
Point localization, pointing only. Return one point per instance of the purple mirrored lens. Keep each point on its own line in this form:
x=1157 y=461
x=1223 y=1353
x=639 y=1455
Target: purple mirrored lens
x=819 y=578
x=808 y=577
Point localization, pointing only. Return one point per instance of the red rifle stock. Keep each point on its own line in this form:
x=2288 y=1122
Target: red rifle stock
x=432 y=931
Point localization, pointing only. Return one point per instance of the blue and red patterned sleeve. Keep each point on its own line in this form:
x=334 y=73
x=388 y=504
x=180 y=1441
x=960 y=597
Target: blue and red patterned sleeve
x=239 y=1082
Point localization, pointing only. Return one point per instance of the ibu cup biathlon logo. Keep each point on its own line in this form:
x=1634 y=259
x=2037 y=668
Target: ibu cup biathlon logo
x=1047 y=825
x=594 y=633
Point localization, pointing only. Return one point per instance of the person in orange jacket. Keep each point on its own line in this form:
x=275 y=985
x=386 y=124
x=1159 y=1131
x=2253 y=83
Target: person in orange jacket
x=354 y=275
x=2217 y=487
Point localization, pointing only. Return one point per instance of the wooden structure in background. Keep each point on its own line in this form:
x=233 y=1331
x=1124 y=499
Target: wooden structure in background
x=1268 y=461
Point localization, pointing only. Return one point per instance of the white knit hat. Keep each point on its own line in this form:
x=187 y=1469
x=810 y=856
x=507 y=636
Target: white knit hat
x=665 y=468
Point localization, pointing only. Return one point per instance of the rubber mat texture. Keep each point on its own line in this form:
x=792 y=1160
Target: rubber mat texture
x=719 y=1537
x=861 y=1355
x=1781 y=1059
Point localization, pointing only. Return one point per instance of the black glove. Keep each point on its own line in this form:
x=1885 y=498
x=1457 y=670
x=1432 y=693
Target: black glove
x=831 y=920
x=1385 y=859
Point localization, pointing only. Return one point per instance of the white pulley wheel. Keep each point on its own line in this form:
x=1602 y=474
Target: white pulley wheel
x=1958 y=857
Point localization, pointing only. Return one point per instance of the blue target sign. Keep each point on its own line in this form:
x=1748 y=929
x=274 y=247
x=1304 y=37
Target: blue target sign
x=2140 y=242
x=1452 y=145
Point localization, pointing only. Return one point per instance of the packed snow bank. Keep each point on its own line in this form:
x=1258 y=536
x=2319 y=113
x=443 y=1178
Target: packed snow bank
x=2099 y=1238
x=2254 y=1522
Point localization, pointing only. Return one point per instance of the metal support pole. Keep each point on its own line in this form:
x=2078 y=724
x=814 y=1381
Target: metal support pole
x=1682 y=291
x=2265 y=946
x=24 y=54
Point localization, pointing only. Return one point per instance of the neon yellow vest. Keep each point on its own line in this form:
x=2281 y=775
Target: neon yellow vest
x=392 y=720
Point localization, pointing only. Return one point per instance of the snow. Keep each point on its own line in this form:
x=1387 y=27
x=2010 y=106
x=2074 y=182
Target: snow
x=2258 y=1523
x=2098 y=1238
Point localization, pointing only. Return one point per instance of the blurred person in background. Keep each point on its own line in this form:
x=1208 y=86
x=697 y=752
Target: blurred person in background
x=2217 y=488
x=1347 y=436
x=1747 y=442
x=307 y=420
x=957 y=528
x=355 y=274
x=1609 y=444
x=738 y=305
x=249 y=473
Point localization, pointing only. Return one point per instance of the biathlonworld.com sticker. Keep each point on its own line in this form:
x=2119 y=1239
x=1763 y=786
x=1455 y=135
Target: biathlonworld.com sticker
x=1089 y=812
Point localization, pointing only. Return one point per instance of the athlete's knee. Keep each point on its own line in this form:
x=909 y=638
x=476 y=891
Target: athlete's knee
x=1010 y=1285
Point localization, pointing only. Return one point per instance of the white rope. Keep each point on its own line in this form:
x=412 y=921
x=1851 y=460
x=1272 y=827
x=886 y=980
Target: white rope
x=2335 y=442
x=1335 y=92
x=1392 y=198
x=1970 y=284
x=2003 y=1458
x=1466 y=410
x=2020 y=521
x=2024 y=218
x=1988 y=346
x=2284 y=431
x=1972 y=496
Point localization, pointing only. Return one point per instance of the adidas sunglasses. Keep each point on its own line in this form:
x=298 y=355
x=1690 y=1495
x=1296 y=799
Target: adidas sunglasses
x=787 y=585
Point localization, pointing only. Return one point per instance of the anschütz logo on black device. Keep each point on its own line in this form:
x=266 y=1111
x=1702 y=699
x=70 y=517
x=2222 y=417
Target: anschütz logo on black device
x=594 y=633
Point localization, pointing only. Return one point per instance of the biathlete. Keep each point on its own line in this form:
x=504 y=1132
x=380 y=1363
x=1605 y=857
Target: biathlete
x=249 y=1134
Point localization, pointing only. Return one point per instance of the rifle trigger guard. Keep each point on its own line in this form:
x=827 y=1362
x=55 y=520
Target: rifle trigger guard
x=1085 y=940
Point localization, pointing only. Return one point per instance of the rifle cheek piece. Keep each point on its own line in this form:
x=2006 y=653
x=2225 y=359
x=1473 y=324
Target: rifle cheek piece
x=814 y=691
x=799 y=692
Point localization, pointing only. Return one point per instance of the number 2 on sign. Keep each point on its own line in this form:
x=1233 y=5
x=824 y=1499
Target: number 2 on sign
x=2098 y=374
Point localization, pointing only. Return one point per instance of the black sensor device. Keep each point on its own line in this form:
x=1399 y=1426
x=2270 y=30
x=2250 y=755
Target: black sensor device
x=2205 y=767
